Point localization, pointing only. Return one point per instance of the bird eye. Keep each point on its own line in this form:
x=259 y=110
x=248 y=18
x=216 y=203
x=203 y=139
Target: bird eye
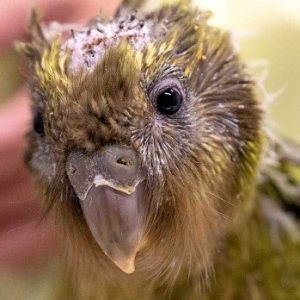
x=38 y=124
x=167 y=96
x=169 y=101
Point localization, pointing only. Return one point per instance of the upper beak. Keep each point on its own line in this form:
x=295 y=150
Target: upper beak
x=109 y=185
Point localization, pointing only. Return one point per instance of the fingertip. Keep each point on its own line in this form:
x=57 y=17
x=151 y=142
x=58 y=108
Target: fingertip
x=14 y=15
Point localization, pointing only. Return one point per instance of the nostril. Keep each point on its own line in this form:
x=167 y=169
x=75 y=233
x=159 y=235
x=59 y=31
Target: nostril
x=124 y=161
x=72 y=169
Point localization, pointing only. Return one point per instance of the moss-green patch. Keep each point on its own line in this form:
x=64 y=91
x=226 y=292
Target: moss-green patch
x=256 y=265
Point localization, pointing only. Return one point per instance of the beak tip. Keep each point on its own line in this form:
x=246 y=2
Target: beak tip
x=127 y=265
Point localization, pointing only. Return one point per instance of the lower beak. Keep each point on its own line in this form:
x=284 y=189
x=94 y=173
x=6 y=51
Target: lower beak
x=115 y=220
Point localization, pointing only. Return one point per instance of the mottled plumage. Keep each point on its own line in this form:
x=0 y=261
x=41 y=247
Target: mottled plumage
x=209 y=226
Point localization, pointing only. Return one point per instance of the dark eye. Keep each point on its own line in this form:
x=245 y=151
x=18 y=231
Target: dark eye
x=38 y=124
x=167 y=96
x=169 y=101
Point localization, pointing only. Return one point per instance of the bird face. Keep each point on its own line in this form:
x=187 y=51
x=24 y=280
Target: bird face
x=146 y=137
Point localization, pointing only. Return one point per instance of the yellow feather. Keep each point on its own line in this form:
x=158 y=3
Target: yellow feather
x=51 y=70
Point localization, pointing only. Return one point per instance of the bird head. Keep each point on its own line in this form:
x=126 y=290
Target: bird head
x=146 y=136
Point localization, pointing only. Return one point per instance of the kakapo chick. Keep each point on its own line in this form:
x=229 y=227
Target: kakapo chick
x=147 y=139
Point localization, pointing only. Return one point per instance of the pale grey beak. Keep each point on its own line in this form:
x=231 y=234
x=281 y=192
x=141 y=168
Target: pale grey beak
x=109 y=186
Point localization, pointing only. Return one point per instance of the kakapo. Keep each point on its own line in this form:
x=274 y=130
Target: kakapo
x=150 y=146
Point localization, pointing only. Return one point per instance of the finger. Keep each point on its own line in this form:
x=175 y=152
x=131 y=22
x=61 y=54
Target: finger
x=18 y=197
x=15 y=121
x=14 y=14
x=18 y=204
x=29 y=246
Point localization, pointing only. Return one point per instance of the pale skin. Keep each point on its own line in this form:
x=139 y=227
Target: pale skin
x=26 y=238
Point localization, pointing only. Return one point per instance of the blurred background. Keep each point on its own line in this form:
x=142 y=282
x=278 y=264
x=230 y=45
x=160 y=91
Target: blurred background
x=268 y=35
